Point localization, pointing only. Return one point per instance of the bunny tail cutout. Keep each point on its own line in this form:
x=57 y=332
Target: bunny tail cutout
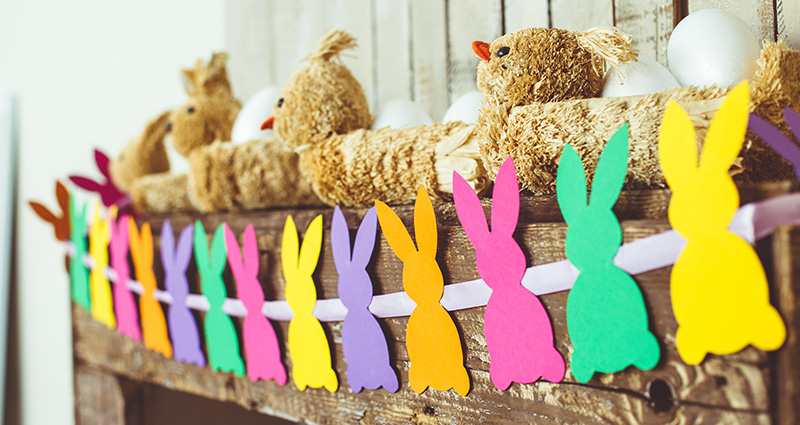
x=608 y=46
x=332 y=45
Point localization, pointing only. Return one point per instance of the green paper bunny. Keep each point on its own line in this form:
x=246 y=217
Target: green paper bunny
x=78 y=273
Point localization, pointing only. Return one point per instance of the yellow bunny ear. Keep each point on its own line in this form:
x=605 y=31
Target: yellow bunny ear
x=726 y=132
x=289 y=248
x=425 y=224
x=677 y=145
x=312 y=245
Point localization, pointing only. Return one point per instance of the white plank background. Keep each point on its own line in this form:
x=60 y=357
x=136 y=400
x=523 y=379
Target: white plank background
x=421 y=49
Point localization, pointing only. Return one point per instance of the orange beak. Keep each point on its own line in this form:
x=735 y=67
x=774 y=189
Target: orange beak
x=482 y=50
x=267 y=125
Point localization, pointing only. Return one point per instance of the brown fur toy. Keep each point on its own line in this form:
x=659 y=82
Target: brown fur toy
x=323 y=114
x=538 y=96
x=143 y=155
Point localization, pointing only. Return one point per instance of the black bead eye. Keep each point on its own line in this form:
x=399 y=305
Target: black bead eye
x=280 y=102
x=190 y=110
x=503 y=51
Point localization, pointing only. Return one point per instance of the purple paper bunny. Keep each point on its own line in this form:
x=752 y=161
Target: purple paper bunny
x=363 y=341
x=260 y=342
x=182 y=325
x=124 y=304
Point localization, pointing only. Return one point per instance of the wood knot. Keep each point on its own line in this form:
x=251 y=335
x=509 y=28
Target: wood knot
x=660 y=395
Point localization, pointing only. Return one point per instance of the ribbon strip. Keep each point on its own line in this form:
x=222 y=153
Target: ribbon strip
x=752 y=222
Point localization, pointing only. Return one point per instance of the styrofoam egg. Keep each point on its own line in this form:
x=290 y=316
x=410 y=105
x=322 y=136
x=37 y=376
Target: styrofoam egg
x=712 y=47
x=465 y=108
x=258 y=108
x=401 y=113
x=644 y=76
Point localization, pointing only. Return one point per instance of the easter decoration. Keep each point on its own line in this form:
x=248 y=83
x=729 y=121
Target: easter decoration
x=363 y=341
x=606 y=314
x=434 y=348
x=519 y=334
x=182 y=326
x=222 y=343
x=260 y=342
x=99 y=286
x=109 y=193
x=78 y=273
x=124 y=303
x=721 y=301
x=308 y=344
x=530 y=113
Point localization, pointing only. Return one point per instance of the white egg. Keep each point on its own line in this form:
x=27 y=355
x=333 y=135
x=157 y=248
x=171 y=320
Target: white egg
x=645 y=76
x=712 y=47
x=465 y=108
x=401 y=113
x=255 y=111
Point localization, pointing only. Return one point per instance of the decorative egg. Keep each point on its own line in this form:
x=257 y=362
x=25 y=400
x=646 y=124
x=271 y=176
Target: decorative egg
x=401 y=113
x=712 y=47
x=645 y=76
x=465 y=108
x=258 y=108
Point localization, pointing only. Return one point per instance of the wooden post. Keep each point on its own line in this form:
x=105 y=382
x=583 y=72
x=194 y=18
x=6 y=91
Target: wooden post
x=786 y=252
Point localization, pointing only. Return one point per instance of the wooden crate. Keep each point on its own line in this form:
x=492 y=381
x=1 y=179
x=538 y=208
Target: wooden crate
x=750 y=387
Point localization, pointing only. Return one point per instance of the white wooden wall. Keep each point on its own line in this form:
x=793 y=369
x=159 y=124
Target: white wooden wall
x=421 y=49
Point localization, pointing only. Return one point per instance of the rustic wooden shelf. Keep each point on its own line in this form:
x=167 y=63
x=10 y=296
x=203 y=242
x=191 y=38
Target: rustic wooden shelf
x=750 y=387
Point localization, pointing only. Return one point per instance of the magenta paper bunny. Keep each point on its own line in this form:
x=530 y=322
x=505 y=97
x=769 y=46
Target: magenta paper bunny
x=260 y=342
x=519 y=335
x=124 y=304
x=363 y=341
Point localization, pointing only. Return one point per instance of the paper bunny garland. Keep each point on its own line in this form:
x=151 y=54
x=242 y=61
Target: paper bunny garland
x=124 y=304
x=100 y=288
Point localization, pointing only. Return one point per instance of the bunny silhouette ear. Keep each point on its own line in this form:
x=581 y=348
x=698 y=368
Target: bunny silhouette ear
x=311 y=247
x=102 y=161
x=677 y=145
x=85 y=183
x=183 y=254
x=505 y=199
x=727 y=130
x=250 y=250
x=147 y=243
x=219 y=255
x=43 y=213
x=365 y=239
x=395 y=232
x=234 y=254
x=167 y=244
x=425 y=224
x=340 y=240
x=141 y=243
x=778 y=141
x=289 y=247
x=571 y=184
x=470 y=210
x=612 y=167
x=63 y=196
x=200 y=245
x=120 y=231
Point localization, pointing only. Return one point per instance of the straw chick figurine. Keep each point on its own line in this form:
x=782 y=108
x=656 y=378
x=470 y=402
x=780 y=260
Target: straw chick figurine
x=539 y=87
x=323 y=114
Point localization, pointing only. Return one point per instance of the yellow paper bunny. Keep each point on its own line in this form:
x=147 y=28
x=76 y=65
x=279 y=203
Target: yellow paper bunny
x=99 y=236
x=719 y=290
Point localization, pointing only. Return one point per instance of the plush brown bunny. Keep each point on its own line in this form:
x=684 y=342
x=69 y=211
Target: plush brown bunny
x=143 y=155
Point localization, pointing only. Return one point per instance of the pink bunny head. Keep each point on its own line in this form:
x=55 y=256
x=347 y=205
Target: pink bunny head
x=176 y=262
x=355 y=285
x=109 y=193
x=499 y=258
x=245 y=268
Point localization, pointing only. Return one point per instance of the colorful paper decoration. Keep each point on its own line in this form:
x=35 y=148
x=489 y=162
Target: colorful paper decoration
x=182 y=326
x=78 y=274
x=109 y=193
x=434 y=347
x=719 y=290
x=308 y=344
x=778 y=141
x=60 y=222
x=222 y=342
x=124 y=303
x=100 y=288
x=606 y=315
x=519 y=335
x=260 y=342
x=154 y=327
x=363 y=341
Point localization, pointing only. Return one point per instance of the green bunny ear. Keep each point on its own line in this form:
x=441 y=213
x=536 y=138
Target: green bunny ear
x=200 y=246
x=611 y=171
x=219 y=253
x=571 y=184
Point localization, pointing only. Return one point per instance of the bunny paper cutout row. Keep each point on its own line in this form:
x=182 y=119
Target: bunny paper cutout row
x=434 y=346
x=363 y=341
x=720 y=300
x=606 y=315
x=260 y=342
x=308 y=344
x=519 y=335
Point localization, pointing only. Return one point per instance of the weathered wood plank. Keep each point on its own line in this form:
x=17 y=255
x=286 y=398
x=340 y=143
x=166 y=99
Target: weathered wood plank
x=759 y=14
x=429 y=56
x=392 y=50
x=579 y=15
x=649 y=22
x=468 y=21
x=788 y=21
x=786 y=251
x=98 y=398
x=521 y=14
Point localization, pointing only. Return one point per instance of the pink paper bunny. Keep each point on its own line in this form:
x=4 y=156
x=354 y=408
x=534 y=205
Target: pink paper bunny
x=124 y=304
x=518 y=331
x=260 y=342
